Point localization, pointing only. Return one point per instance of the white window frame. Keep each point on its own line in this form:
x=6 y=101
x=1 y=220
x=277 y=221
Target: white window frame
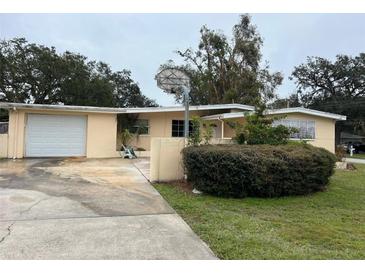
x=309 y=125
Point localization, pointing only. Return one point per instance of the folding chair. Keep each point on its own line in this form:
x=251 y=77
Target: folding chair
x=127 y=152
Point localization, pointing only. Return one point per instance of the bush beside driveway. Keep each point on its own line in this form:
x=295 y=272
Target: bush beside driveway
x=325 y=225
x=240 y=171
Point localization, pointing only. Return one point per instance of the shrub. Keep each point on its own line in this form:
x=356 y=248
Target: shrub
x=208 y=132
x=258 y=170
x=240 y=132
x=201 y=131
x=126 y=137
x=195 y=135
x=258 y=129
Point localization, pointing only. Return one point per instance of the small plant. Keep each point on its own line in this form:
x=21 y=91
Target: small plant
x=202 y=132
x=195 y=136
x=124 y=122
x=126 y=137
x=258 y=129
x=207 y=132
x=240 y=132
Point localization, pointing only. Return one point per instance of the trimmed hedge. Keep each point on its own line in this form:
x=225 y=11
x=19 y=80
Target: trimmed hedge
x=258 y=170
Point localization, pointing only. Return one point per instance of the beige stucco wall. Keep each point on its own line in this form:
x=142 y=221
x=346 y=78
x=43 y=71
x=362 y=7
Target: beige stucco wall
x=228 y=131
x=100 y=140
x=166 y=161
x=101 y=135
x=16 y=134
x=160 y=126
x=3 y=145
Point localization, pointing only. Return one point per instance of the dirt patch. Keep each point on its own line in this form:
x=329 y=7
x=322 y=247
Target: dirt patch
x=182 y=185
x=351 y=166
x=345 y=166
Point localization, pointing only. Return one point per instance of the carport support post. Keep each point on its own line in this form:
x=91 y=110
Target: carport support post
x=186 y=118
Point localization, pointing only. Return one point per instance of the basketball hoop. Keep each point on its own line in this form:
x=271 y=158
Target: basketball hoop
x=176 y=81
x=171 y=80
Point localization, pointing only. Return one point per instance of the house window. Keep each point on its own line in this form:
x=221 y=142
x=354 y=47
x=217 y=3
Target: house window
x=142 y=127
x=306 y=128
x=4 y=127
x=177 y=129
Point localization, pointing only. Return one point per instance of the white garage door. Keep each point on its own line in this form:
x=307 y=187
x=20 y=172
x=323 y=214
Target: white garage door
x=55 y=135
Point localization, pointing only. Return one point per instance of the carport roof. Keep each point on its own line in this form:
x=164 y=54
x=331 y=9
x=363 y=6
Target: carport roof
x=278 y=111
x=307 y=111
x=5 y=105
x=221 y=116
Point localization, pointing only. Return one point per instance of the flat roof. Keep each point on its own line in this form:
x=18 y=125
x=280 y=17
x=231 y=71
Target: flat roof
x=306 y=111
x=6 y=105
x=228 y=115
x=241 y=107
x=278 y=111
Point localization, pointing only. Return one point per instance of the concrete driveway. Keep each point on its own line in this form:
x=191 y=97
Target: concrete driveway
x=88 y=209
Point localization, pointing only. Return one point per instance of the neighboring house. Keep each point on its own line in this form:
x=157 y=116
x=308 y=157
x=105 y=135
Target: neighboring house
x=63 y=131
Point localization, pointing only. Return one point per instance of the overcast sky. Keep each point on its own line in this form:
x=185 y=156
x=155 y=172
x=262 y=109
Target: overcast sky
x=141 y=42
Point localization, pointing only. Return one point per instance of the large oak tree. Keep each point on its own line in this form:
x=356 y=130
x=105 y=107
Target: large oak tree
x=335 y=86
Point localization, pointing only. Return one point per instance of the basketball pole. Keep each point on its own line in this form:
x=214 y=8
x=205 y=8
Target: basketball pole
x=186 y=115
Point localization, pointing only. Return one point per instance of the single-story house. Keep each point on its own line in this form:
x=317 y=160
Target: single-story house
x=36 y=130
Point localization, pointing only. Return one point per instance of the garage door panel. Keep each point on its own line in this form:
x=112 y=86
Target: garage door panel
x=55 y=135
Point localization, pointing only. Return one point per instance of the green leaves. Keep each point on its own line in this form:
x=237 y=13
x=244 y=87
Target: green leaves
x=195 y=136
x=334 y=86
x=259 y=170
x=258 y=129
x=202 y=131
x=34 y=73
x=226 y=70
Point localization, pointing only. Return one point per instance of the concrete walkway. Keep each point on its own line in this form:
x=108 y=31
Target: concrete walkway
x=143 y=165
x=88 y=209
x=355 y=160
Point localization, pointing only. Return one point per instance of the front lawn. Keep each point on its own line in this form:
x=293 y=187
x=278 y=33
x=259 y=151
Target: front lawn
x=326 y=225
x=356 y=156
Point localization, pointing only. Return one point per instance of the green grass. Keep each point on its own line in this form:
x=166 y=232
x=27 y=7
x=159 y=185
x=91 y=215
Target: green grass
x=325 y=225
x=356 y=156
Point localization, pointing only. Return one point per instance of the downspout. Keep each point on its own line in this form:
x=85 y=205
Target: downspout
x=15 y=146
